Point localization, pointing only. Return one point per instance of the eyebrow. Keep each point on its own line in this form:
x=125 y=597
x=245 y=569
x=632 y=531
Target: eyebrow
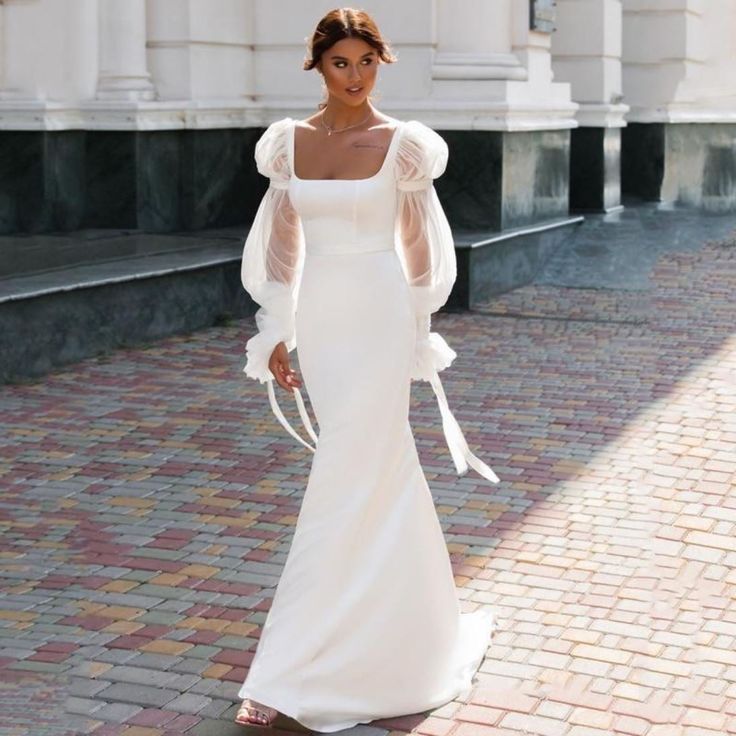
x=336 y=56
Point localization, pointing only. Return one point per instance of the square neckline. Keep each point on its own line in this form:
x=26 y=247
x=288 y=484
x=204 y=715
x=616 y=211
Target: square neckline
x=389 y=153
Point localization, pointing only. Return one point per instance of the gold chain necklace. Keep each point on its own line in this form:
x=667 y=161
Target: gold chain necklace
x=330 y=130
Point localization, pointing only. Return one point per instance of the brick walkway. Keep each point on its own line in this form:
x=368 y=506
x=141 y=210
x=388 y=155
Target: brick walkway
x=149 y=500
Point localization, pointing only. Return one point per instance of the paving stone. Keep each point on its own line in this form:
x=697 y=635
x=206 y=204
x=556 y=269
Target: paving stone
x=234 y=642
x=215 y=709
x=203 y=652
x=117 y=712
x=83 y=687
x=214 y=727
x=190 y=666
x=189 y=703
x=39 y=666
x=226 y=691
x=154 y=661
x=138 y=694
x=115 y=656
x=82 y=706
x=140 y=676
x=184 y=682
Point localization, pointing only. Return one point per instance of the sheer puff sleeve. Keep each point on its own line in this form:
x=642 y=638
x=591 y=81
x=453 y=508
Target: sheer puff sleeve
x=271 y=266
x=427 y=254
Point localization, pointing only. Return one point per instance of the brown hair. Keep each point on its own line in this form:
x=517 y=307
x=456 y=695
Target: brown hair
x=346 y=23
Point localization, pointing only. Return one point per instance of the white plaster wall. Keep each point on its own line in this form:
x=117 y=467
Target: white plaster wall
x=717 y=77
x=282 y=32
x=239 y=62
x=201 y=49
x=586 y=49
x=167 y=28
x=474 y=26
x=225 y=62
x=49 y=49
x=680 y=60
x=586 y=53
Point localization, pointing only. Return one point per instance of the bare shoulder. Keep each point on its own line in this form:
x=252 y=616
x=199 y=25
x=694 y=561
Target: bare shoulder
x=388 y=122
x=311 y=123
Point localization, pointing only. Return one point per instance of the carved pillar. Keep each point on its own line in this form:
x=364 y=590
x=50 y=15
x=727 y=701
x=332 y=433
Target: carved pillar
x=123 y=69
x=591 y=63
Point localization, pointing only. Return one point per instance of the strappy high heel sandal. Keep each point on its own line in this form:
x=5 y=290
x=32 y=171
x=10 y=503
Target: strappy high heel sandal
x=250 y=714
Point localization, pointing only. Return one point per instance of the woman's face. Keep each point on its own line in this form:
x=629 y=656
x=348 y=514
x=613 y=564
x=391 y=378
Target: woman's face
x=348 y=65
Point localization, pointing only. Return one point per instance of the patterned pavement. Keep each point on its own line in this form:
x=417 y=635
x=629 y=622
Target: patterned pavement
x=149 y=497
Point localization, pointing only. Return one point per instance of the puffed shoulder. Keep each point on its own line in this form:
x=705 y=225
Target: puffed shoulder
x=271 y=151
x=421 y=156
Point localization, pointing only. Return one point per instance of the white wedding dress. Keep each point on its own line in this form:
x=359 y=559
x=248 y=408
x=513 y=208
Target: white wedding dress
x=365 y=622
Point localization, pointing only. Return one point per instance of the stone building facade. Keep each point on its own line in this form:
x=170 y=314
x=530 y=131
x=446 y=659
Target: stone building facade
x=143 y=114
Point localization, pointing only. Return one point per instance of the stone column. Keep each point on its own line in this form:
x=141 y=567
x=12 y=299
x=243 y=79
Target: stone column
x=506 y=122
x=473 y=45
x=123 y=69
x=591 y=63
x=3 y=46
x=678 y=67
x=13 y=83
x=663 y=51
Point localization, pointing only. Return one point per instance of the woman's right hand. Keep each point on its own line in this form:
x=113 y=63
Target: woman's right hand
x=278 y=364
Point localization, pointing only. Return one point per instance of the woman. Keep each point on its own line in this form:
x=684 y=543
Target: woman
x=348 y=255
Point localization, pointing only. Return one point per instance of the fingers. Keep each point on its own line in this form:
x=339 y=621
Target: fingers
x=286 y=377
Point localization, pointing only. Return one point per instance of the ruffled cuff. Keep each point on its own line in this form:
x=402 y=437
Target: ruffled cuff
x=273 y=328
x=432 y=354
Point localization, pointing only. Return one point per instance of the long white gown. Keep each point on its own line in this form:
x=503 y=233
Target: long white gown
x=365 y=622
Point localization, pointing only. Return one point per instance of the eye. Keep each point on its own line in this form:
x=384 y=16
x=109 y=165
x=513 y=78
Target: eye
x=340 y=64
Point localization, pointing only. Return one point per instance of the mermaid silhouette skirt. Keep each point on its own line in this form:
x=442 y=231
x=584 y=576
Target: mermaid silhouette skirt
x=365 y=622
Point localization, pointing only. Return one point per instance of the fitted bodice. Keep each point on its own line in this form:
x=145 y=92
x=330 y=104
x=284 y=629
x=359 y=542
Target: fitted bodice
x=346 y=215
x=395 y=212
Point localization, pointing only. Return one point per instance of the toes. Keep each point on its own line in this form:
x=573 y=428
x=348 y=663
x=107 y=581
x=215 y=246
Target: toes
x=251 y=714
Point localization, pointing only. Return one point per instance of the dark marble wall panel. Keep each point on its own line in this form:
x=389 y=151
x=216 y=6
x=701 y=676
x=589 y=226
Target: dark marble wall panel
x=587 y=169
x=595 y=169
x=155 y=181
x=497 y=180
x=64 y=165
x=692 y=164
x=642 y=160
x=160 y=208
x=220 y=184
x=24 y=206
x=8 y=185
x=460 y=296
x=536 y=167
x=700 y=165
x=110 y=179
x=165 y=181
x=684 y=155
x=719 y=177
x=470 y=188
